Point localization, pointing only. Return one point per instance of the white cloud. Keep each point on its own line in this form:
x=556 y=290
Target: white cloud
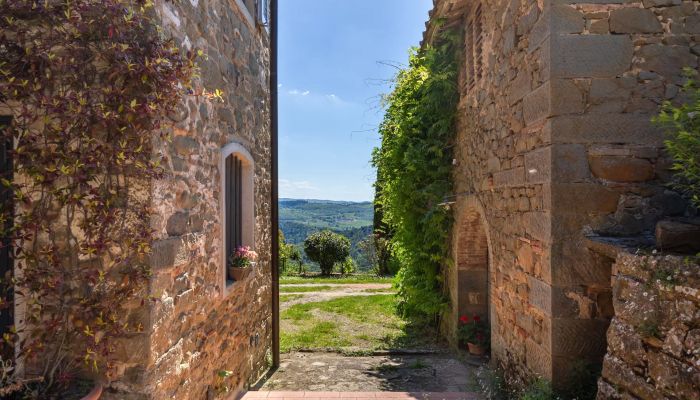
x=306 y=93
x=298 y=189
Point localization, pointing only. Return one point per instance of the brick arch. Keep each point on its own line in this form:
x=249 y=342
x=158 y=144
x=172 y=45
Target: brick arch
x=472 y=264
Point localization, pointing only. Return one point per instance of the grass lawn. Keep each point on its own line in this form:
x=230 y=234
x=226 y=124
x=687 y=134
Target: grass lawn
x=304 y=289
x=386 y=291
x=335 y=279
x=359 y=322
x=289 y=297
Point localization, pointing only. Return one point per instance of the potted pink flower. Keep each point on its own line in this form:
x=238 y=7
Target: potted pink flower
x=475 y=333
x=240 y=262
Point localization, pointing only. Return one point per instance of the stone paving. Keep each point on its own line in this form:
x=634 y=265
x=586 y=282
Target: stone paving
x=361 y=395
x=333 y=372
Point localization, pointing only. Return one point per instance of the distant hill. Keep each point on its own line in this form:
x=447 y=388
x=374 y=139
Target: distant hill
x=300 y=218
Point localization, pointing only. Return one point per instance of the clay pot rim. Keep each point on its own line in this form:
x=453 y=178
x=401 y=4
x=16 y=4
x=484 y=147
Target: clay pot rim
x=95 y=393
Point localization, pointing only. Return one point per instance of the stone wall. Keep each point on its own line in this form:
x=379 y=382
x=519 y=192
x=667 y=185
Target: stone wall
x=198 y=328
x=555 y=142
x=654 y=338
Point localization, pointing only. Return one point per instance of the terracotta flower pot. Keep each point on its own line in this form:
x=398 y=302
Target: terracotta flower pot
x=476 y=350
x=95 y=394
x=237 y=273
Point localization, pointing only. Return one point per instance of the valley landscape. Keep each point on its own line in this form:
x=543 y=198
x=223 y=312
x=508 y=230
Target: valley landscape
x=300 y=218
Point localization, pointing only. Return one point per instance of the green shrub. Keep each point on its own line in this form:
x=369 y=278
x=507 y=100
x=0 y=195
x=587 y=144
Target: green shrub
x=327 y=249
x=682 y=124
x=414 y=167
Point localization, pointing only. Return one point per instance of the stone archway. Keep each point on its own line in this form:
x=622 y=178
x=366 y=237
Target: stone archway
x=472 y=266
x=468 y=279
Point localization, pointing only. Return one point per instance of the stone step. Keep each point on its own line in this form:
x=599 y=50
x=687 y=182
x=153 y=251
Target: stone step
x=361 y=395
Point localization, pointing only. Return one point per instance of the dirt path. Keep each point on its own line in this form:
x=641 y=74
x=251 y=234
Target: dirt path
x=338 y=290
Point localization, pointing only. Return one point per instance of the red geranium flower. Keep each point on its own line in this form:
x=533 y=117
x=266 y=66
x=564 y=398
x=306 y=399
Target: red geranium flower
x=464 y=319
x=477 y=318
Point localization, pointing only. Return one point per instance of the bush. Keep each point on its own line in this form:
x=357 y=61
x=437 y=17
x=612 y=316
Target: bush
x=348 y=266
x=682 y=124
x=327 y=249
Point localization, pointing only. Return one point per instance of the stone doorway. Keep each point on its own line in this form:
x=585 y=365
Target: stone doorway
x=472 y=267
x=468 y=282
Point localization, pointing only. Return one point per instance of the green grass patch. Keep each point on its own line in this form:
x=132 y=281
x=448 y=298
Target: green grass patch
x=304 y=289
x=352 y=279
x=359 y=322
x=386 y=291
x=289 y=297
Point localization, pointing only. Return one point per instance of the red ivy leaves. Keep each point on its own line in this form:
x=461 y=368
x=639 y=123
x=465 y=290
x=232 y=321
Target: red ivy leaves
x=86 y=102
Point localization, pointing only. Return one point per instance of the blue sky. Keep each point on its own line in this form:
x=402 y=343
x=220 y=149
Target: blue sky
x=330 y=77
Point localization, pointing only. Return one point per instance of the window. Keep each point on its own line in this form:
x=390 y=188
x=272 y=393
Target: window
x=6 y=206
x=474 y=47
x=257 y=11
x=238 y=217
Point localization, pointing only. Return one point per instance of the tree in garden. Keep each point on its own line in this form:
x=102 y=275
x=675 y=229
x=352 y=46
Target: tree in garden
x=284 y=253
x=682 y=124
x=327 y=248
x=295 y=256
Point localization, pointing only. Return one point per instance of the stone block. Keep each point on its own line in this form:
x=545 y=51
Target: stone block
x=511 y=177
x=536 y=105
x=570 y=163
x=177 y=224
x=634 y=20
x=566 y=19
x=606 y=128
x=583 y=198
x=166 y=253
x=666 y=60
x=596 y=56
x=538 y=165
x=679 y=235
x=623 y=378
x=621 y=169
x=538 y=359
x=538 y=225
x=579 y=337
x=674 y=377
x=540 y=295
x=626 y=344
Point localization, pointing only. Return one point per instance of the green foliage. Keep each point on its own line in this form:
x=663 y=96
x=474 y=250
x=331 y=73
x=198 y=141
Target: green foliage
x=89 y=85
x=288 y=254
x=346 y=280
x=540 y=389
x=682 y=123
x=348 y=266
x=301 y=218
x=327 y=248
x=414 y=165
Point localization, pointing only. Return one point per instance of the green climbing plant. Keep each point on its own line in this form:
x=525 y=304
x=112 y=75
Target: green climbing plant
x=414 y=166
x=682 y=124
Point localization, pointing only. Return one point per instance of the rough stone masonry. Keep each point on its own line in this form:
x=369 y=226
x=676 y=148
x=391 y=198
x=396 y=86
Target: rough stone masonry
x=200 y=326
x=555 y=143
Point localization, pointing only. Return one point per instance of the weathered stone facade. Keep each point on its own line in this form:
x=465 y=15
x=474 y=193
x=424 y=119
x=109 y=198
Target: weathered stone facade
x=200 y=325
x=654 y=338
x=554 y=143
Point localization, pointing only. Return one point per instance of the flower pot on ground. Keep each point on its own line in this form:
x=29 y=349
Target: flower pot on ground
x=475 y=333
x=240 y=263
x=476 y=349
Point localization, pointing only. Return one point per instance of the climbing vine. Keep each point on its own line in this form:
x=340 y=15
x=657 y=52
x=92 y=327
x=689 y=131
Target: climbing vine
x=414 y=164
x=88 y=84
x=682 y=124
